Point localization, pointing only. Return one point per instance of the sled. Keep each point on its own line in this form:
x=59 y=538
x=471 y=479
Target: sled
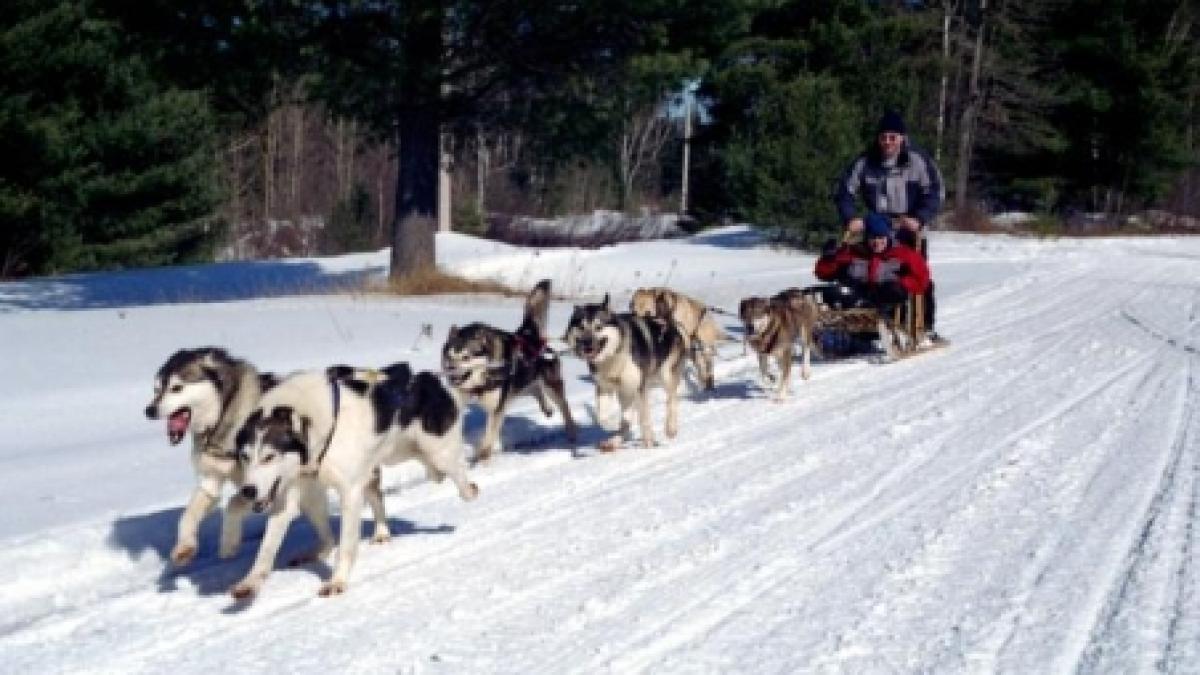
x=857 y=327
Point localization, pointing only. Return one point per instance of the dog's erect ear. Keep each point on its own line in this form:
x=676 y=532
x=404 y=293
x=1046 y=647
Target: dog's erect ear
x=663 y=306
x=245 y=435
x=453 y=332
x=604 y=304
x=744 y=309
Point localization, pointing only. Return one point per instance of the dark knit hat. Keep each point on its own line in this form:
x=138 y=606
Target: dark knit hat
x=875 y=225
x=891 y=122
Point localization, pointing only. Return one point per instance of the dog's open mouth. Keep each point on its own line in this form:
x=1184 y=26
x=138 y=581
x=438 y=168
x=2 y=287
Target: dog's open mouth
x=261 y=505
x=458 y=375
x=592 y=348
x=177 y=424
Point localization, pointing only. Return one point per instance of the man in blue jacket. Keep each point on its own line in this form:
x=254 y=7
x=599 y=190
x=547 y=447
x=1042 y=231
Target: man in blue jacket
x=896 y=180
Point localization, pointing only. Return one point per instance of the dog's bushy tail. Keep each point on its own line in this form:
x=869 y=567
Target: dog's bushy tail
x=537 y=305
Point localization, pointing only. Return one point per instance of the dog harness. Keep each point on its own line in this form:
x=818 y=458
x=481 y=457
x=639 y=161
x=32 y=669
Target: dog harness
x=766 y=340
x=337 y=405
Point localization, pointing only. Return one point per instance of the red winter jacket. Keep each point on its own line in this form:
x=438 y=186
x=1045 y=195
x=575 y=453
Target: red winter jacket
x=897 y=263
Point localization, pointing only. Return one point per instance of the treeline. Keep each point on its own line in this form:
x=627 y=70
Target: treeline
x=144 y=132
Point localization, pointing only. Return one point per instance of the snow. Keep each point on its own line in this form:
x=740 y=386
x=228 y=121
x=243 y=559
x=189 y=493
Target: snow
x=1023 y=501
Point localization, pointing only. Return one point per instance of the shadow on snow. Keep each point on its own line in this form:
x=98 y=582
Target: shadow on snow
x=217 y=282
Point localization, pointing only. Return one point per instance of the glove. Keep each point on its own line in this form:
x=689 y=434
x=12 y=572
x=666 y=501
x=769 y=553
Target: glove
x=829 y=248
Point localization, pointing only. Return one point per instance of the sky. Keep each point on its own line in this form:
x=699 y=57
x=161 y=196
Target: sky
x=1022 y=501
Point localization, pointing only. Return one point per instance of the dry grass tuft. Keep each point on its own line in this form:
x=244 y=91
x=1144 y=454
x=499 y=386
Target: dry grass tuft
x=971 y=219
x=436 y=282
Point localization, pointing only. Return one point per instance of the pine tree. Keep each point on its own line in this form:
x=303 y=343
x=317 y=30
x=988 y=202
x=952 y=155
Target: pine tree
x=1128 y=69
x=115 y=171
x=797 y=100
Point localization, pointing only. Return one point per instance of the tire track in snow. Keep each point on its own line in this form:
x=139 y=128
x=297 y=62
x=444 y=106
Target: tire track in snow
x=1044 y=551
x=1147 y=548
x=1012 y=500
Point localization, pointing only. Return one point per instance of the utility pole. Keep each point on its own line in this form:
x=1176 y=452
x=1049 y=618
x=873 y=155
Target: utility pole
x=444 y=161
x=687 y=151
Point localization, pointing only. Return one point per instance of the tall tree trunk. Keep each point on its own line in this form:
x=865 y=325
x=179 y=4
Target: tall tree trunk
x=948 y=9
x=419 y=134
x=416 y=193
x=297 y=156
x=481 y=169
x=269 y=144
x=966 y=131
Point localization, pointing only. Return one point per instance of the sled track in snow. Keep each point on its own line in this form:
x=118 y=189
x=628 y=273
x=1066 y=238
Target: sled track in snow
x=1179 y=481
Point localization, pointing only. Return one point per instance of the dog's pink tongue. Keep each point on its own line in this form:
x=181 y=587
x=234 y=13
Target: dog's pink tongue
x=177 y=423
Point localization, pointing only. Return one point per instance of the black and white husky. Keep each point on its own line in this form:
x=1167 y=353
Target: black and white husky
x=494 y=366
x=333 y=429
x=627 y=355
x=209 y=393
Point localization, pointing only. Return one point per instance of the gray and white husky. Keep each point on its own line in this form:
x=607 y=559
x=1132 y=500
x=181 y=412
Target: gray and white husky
x=627 y=356
x=493 y=366
x=333 y=429
x=209 y=393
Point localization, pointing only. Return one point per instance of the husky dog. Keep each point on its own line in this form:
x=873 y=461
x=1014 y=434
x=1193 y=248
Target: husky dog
x=494 y=367
x=331 y=429
x=210 y=393
x=627 y=355
x=698 y=327
x=772 y=327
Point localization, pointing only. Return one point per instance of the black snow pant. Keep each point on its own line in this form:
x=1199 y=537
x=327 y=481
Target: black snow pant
x=849 y=294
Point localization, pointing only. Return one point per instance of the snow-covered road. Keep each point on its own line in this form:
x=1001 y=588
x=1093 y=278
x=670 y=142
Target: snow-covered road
x=1024 y=501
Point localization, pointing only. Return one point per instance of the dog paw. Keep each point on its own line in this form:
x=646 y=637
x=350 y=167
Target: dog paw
x=243 y=591
x=332 y=588
x=470 y=493
x=610 y=445
x=183 y=554
x=381 y=537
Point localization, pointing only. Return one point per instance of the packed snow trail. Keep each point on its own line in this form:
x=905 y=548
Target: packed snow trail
x=1024 y=501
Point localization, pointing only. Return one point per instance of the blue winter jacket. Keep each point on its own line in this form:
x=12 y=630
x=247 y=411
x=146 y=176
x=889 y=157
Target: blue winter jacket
x=913 y=187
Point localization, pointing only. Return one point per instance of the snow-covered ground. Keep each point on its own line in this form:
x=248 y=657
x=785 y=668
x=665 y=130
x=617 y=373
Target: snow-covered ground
x=1024 y=501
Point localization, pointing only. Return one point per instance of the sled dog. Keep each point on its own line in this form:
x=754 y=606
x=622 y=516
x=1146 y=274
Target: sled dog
x=691 y=317
x=494 y=366
x=627 y=355
x=772 y=327
x=209 y=393
x=332 y=429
